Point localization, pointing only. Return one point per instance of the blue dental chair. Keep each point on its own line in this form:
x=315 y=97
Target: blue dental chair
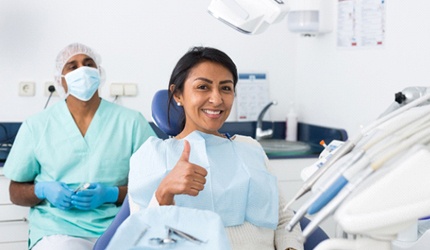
x=172 y=126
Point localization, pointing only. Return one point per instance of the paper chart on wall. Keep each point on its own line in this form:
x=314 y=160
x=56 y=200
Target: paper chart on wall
x=252 y=95
x=361 y=23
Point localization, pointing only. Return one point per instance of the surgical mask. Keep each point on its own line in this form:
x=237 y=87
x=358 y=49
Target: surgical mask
x=83 y=82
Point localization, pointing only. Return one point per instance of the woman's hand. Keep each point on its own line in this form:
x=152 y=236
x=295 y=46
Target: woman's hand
x=185 y=178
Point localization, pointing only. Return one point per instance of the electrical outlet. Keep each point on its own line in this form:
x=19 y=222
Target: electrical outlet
x=116 y=89
x=130 y=89
x=47 y=92
x=26 y=88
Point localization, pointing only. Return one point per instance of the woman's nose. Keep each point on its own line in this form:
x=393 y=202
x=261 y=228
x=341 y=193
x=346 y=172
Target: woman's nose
x=215 y=98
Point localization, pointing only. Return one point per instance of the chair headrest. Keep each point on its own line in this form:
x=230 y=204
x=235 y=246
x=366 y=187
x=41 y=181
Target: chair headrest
x=161 y=116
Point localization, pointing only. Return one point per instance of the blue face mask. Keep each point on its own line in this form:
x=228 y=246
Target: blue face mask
x=83 y=82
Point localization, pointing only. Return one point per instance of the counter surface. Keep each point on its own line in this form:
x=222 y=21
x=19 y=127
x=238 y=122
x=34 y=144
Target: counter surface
x=307 y=133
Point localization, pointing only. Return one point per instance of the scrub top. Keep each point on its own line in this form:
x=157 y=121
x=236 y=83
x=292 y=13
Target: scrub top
x=50 y=147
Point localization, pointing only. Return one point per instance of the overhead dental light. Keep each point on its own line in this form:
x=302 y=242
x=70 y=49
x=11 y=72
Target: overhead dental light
x=249 y=16
x=306 y=17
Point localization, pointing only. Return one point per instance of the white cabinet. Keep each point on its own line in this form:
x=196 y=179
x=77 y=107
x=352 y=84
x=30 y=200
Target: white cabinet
x=288 y=173
x=13 y=220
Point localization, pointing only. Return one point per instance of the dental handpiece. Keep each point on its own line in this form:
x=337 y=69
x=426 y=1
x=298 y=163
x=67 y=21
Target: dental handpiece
x=334 y=204
x=319 y=191
x=336 y=185
x=307 y=186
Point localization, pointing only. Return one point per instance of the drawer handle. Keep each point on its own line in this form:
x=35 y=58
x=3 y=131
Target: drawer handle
x=16 y=220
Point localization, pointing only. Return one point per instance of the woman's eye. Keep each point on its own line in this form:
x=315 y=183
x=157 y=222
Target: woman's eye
x=202 y=87
x=227 y=88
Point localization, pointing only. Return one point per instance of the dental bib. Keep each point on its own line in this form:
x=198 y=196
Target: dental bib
x=238 y=186
x=149 y=229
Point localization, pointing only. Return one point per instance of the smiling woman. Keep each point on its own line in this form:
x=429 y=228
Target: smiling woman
x=203 y=169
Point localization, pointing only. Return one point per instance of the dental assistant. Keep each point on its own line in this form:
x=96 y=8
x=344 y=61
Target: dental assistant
x=204 y=169
x=82 y=139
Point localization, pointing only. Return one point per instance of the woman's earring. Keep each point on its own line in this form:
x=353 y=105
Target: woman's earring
x=178 y=103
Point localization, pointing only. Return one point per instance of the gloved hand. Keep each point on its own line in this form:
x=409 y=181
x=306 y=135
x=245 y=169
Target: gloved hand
x=94 y=196
x=57 y=193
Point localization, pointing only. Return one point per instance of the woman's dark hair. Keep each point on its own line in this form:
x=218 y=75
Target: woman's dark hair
x=193 y=57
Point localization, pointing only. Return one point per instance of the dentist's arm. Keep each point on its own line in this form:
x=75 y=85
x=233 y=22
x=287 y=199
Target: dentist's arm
x=185 y=178
x=22 y=194
x=29 y=194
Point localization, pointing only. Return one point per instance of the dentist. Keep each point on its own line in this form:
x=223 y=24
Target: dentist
x=80 y=140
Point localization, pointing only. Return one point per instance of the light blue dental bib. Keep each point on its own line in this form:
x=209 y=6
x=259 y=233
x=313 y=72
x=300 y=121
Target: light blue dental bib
x=238 y=186
x=140 y=229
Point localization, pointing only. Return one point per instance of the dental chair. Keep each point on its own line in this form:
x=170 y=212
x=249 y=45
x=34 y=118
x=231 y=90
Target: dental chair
x=171 y=126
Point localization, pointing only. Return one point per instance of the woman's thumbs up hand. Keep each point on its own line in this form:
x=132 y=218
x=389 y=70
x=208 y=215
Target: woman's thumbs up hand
x=185 y=178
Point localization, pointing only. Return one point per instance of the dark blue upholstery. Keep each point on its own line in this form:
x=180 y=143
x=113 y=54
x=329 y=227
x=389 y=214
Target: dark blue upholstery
x=168 y=122
x=123 y=213
x=159 y=114
x=314 y=238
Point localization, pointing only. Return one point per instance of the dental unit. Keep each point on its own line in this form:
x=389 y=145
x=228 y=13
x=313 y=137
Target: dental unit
x=354 y=179
x=350 y=144
x=377 y=146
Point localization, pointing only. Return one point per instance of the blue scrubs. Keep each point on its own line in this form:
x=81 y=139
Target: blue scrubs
x=50 y=147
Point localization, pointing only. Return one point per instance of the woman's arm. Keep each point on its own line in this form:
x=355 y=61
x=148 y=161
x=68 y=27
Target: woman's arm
x=283 y=238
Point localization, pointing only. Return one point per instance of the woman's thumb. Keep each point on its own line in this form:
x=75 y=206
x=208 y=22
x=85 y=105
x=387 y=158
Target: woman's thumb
x=186 y=152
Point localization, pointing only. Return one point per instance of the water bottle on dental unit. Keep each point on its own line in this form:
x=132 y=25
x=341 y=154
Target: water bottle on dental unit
x=291 y=126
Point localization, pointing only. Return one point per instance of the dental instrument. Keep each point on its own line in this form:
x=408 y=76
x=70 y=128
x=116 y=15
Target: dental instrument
x=322 y=143
x=350 y=144
x=326 y=154
x=185 y=236
x=422 y=137
x=168 y=240
x=81 y=187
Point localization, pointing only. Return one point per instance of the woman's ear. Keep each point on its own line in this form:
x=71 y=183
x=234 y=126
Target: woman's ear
x=176 y=94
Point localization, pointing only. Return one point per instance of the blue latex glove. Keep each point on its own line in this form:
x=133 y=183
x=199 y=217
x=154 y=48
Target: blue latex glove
x=94 y=196
x=57 y=193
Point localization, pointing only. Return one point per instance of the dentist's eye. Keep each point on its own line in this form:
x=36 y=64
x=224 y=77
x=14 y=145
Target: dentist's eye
x=93 y=65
